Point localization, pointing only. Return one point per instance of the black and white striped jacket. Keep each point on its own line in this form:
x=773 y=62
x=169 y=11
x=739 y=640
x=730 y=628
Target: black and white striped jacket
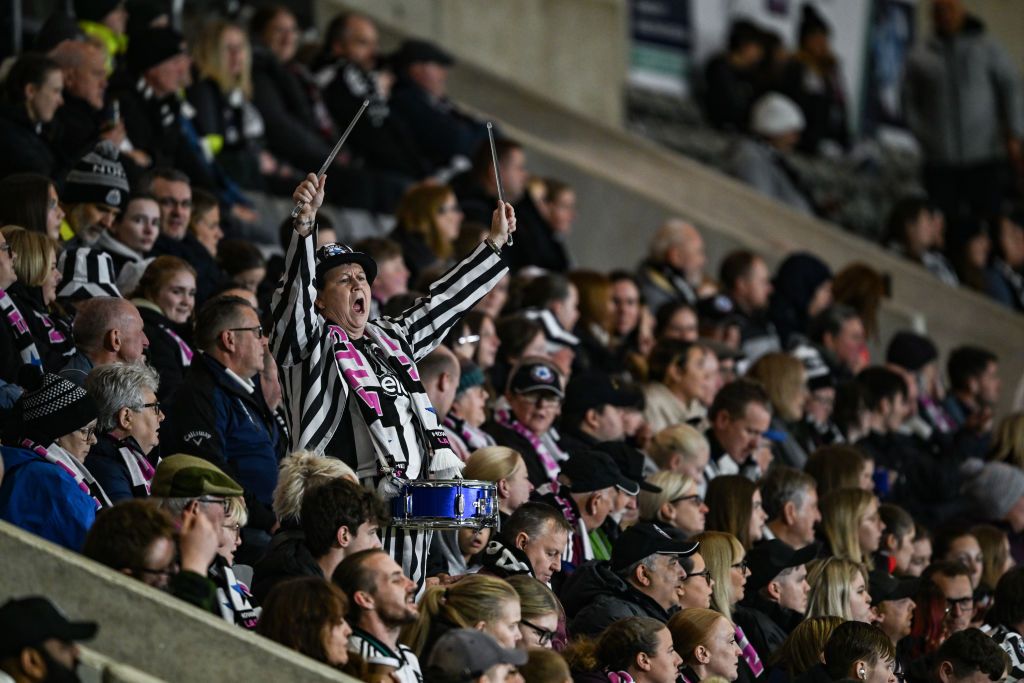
x=315 y=392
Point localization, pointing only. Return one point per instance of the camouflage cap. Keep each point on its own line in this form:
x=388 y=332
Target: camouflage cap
x=186 y=476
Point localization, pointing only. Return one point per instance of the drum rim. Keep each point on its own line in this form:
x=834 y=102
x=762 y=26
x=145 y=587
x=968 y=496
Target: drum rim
x=452 y=483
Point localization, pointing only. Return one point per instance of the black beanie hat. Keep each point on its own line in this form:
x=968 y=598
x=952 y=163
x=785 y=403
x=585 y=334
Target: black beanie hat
x=151 y=46
x=51 y=406
x=911 y=351
x=812 y=22
x=95 y=10
x=97 y=178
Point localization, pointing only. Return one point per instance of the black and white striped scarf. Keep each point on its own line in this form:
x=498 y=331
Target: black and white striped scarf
x=393 y=403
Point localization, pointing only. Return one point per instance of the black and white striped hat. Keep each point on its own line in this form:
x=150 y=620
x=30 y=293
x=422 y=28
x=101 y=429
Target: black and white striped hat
x=86 y=273
x=553 y=331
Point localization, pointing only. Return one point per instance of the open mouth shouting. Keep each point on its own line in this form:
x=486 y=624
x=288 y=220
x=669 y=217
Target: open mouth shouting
x=359 y=303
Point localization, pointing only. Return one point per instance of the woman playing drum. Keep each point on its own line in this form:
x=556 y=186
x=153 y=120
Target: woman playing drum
x=351 y=386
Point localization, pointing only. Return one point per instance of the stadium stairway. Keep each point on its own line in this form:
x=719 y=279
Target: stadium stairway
x=627 y=185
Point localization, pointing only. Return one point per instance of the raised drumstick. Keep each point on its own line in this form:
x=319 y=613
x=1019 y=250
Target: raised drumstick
x=334 y=152
x=497 y=171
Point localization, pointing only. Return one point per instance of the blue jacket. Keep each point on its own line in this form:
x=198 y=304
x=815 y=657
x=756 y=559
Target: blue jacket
x=214 y=418
x=40 y=497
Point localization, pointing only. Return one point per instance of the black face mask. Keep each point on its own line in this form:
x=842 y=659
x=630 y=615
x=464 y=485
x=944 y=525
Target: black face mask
x=57 y=672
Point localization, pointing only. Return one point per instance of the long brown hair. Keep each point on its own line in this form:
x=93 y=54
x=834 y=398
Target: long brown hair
x=862 y=288
x=417 y=214
x=730 y=501
x=297 y=613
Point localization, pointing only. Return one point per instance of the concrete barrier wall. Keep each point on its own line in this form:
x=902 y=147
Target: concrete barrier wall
x=143 y=628
x=571 y=51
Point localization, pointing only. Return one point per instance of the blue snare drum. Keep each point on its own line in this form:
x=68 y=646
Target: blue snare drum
x=445 y=504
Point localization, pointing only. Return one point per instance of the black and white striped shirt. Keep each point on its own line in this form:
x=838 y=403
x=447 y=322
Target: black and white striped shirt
x=404 y=661
x=315 y=392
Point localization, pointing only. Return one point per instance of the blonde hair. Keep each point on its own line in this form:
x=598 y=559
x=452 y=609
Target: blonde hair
x=1008 y=440
x=841 y=512
x=535 y=599
x=32 y=265
x=465 y=603
x=690 y=628
x=238 y=510
x=301 y=472
x=209 y=58
x=492 y=463
x=417 y=214
x=720 y=552
x=783 y=378
x=682 y=439
x=831 y=581
x=803 y=648
x=672 y=484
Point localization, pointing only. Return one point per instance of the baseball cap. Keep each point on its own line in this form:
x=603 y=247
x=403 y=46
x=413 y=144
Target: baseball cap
x=590 y=389
x=186 y=476
x=718 y=310
x=593 y=470
x=336 y=254
x=630 y=461
x=25 y=622
x=465 y=654
x=884 y=586
x=536 y=374
x=645 y=539
x=767 y=559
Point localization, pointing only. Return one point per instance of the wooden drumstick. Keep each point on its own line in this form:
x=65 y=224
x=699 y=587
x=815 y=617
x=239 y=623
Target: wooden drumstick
x=497 y=171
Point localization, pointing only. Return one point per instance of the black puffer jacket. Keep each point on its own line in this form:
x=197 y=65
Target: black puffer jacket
x=287 y=557
x=594 y=597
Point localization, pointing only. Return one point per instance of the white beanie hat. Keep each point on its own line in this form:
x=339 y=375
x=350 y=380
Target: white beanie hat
x=776 y=114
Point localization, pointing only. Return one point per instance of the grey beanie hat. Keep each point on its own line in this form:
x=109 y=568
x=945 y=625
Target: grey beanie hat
x=995 y=489
x=98 y=178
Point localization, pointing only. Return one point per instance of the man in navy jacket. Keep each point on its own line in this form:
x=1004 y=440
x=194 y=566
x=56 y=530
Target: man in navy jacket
x=219 y=413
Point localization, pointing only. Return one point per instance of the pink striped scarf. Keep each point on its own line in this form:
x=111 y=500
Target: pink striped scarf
x=76 y=470
x=749 y=653
x=507 y=420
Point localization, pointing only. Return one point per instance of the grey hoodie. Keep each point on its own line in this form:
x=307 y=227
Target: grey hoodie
x=963 y=97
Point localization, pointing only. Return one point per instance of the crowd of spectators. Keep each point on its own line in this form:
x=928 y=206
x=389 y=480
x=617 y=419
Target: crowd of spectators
x=700 y=474
x=962 y=101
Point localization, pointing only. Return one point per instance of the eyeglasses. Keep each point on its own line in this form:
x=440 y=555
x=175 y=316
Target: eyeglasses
x=696 y=499
x=235 y=528
x=86 y=432
x=468 y=339
x=223 y=502
x=258 y=330
x=155 y=405
x=959 y=604
x=544 y=636
x=168 y=571
x=542 y=400
x=741 y=565
x=453 y=208
x=706 y=574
